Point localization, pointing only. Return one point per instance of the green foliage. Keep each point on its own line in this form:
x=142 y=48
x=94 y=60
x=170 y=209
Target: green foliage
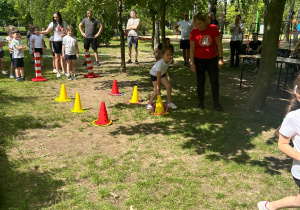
x=6 y=11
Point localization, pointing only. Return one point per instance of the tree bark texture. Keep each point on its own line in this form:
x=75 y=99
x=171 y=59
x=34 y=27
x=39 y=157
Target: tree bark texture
x=258 y=94
x=212 y=7
x=296 y=33
x=223 y=22
x=122 y=41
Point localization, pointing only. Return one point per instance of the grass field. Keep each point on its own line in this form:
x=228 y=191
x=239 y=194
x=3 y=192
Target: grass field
x=51 y=158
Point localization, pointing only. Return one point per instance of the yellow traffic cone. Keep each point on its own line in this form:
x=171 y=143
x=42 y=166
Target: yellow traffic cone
x=135 y=96
x=159 y=107
x=77 y=105
x=63 y=97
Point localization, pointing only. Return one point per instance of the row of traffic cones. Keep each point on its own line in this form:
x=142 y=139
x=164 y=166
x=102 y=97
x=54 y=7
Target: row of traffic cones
x=102 y=118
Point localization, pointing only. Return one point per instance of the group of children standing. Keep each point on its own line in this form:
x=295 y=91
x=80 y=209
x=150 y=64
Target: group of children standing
x=36 y=44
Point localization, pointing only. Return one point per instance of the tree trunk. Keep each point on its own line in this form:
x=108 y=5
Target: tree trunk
x=288 y=21
x=296 y=33
x=157 y=33
x=258 y=94
x=122 y=41
x=223 y=22
x=153 y=31
x=195 y=8
x=163 y=22
x=240 y=9
x=212 y=7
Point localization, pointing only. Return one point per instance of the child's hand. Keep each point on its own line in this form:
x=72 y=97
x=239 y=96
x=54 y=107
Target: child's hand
x=77 y=55
x=63 y=56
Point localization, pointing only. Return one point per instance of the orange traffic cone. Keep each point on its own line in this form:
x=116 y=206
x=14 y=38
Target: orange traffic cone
x=102 y=118
x=115 y=90
x=38 y=72
x=135 y=97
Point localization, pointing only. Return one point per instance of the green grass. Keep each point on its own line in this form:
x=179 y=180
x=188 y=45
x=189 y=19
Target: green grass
x=51 y=158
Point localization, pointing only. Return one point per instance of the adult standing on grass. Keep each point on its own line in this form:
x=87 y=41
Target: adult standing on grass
x=236 y=31
x=132 y=35
x=186 y=26
x=58 y=26
x=90 y=35
x=205 y=39
x=289 y=130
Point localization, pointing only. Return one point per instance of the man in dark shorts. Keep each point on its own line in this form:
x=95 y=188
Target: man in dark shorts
x=90 y=35
x=186 y=26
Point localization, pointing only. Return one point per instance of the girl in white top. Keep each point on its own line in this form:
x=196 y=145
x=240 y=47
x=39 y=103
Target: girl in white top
x=9 y=38
x=38 y=44
x=70 y=47
x=158 y=75
x=58 y=26
x=289 y=130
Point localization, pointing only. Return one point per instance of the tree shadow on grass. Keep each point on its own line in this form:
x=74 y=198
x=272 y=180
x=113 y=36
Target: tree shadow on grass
x=28 y=188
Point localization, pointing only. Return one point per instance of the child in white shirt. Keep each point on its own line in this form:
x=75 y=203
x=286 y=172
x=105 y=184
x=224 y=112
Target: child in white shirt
x=69 y=49
x=38 y=44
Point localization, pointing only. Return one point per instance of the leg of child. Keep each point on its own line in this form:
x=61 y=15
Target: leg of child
x=63 y=65
x=154 y=93
x=22 y=71
x=11 y=68
x=74 y=66
x=42 y=60
x=287 y=202
x=68 y=66
x=53 y=62
x=2 y=64
x=17 y=72
x=166 y=83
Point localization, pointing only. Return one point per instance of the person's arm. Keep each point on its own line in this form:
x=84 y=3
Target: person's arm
x=81 y=31
x=220 y=50
x=176 y=28
x=99 y=32
x=33 y=41
x=27 y=42
x=158 y=83
x=192 y=55
x=232 y=28
x=285 y=147
x=47 y=31
x=43 y=44
x=63 y=51
x=77 y=50
x=258 y=49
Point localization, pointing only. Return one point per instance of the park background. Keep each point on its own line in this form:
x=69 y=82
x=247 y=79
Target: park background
x=51 y=158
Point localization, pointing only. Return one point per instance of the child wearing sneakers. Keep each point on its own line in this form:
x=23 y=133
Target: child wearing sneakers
x=69 y=49
x=2 y=43
x=9 y=38
x=289 y=130
x=158 y=75
x=18 y=59
x=38 y=44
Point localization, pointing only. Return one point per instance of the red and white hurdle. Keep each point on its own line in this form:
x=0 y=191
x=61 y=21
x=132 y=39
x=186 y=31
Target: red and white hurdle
x=89 y=65
x=38 y=69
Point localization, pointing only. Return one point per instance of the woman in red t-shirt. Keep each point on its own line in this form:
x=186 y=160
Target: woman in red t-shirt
x=204 y=40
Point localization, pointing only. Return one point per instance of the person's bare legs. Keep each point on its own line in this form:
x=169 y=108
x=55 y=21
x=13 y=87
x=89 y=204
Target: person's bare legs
x=154 y=93
x=166 y=83
x=2 y=64
x=96 y=55
x=136 y=53
x=74 y=66
x=287 y=202
x=57 y=61
x=68 y=66
x=63 y=64
x=11 y=68
x=129 y=52
x=187 y=55
x=17 y=72
x=184 y=55
x=22 y=71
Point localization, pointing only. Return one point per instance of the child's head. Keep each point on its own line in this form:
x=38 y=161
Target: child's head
x=16 y=33
x=70 y=30
x=36 y=30
x=167 y=54
x=295 y=99
x=9 y=29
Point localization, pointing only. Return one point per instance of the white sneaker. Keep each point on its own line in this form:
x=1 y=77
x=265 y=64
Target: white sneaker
x=54 y=71
x=263 y=205
x=171 y=105
x=149 y=106
x=11 y=76
x=58 y=75
x=4 y=72
x=67 y=75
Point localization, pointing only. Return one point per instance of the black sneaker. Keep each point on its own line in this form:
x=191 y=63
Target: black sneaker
x=97 y=63
x=84 y=64
x=218 y=107
x=23 y=78
x=18 y=79
x=69 y=77
x=136 y=61
x=74 y=77
x=187 y=64
x=129 y=61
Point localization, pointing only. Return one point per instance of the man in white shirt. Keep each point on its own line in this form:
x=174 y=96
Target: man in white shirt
x=132 y=32
x=186 y=26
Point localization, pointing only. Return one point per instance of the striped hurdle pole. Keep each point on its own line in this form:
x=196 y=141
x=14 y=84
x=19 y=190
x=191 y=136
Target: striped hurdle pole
x=89 y=65
x=38 y=70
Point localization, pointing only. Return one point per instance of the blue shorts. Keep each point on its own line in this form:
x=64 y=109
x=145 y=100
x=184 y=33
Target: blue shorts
x=70 y=57
x=18 y=62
